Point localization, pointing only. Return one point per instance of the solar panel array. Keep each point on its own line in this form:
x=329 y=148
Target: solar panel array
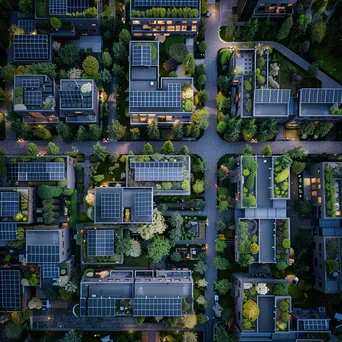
x=170 y=307
x=316 y=325
x=111 y=205
x=37 y=171
x=33 y=98
x=325 y=95
x=77 y=5
x=143 y=203
x=8 y=231
x=30 y=83
x=42 y=254
x=28 y=26
x=101 y=307
x=9 y=203
x=170 y=98
x=141 y=55
x=272 y=96
x=157 y=171
x=73 y=98
x=31 y=47
x=100 y=242
x=50 y=270
x=165 y=3
x=10 y=297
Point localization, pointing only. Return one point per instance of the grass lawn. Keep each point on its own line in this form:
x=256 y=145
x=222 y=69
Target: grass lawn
x=331 y=65
x=142 y=261
x=174 y=39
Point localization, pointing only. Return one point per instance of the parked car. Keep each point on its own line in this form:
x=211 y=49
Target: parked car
x=208 y=14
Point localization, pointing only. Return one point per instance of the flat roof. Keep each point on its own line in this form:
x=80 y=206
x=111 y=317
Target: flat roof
x=31 y=47
x=123 y=205
x=271 y=102
x=62 y=7
x=10 y=290
x=9 y=203
x=266 y=317
x=136 y=4
x=77 y=94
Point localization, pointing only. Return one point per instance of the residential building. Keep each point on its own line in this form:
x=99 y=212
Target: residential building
x=22 y=172
x=48 y=248
x=270 y=324
x=10 y=289
x=260 y=210
x=165 y=100
x=79 y=101
x=35 y=98
x=143 y=293
x=247 y=9
x=154 y=17
x=123 y=205
x=31 y=48
x=169 y=175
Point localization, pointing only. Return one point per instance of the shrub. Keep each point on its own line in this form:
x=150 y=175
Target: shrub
x=250 y=182
x=260 y=62
x=251 y=310
x=254 y=248
x=283 y=175
x=286 y=243
x=245 y=172
x=285 y=316
x=283 y=305
x=221 y=127
x=332 y=266
x=247 y=85
x=55 y=23
x=203 y=46
x=280 y=289
x=246 y=324
x=282 y=265
x=178 y=52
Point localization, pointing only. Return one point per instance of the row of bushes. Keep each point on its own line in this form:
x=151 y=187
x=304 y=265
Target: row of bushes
x=330 y=191
x=247 y=246
x=249 y=170
x=160 y=12
x=281 y=174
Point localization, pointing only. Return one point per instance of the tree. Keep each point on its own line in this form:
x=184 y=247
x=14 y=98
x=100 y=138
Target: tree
x=147 y=149
x=184 y=150
x=250 y=310
x=178 y=52
x=199 y=186
x=176 y=257
x=118 y=72
x=105 y=76
x=152 y=130
x=158 y=248
x=224 y=83
x=223 y=286
x=298 y=167
x=90 y=66
x=202 y=283
x=52 y=149
x=204 y=7
x=65 y=131
x=190 y=336
x=177 y=130
x=200 y=267
x=71 y=336
x=116 y=130
x=125 y=37
x=48 y=191
x=123 y=244
x=285 y=28
x=233 y=129
x=107 y=59
x=247 y=151
x=170 y=65
x=100 y=152
x=303 y=207
x=249 y=129
x=55 y=23
x=307 y=129
x=176 y=220
x=221 y=263
x=201 y=80
x=148 y=231
x=42 y=132
x=32 y=149
x=135 y=133
x=266 y=151
x=135 y=249
x=318 y=31
x=13 y=331
x=332 y=266
x=265 y=29
x=168 y=148
x=203 y=46
x=119 y=52
x=301 y=25
x=297 y=153
x=222 y=335
x=220 y=226
x=94 y=132
x=35 y=303
x=202 y=97
x=188 y=65
x=323 y=128
x=249 y=30
x=26 y=6
x=47 y=69
x=200 y=118
x=82 y=133
x=189 y=322
x=69 y=55
x=7 y=73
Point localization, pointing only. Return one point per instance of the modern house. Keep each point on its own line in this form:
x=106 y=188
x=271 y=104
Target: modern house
x=140 y=293
x=274 y=318
x=79 y=101
x=10 y=289
x=247 y=9
x=123 y=205
x=22 y=173
x=31 y=48
x=154 y=17
x=35 y=98
x=165 y=100
x=169 y=175
x=260 y=211
x=47 y=248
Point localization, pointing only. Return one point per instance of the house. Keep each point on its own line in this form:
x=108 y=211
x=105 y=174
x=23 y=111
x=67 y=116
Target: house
x=275 y=10
x=10 y=289
x=35 y=98
x=79 y=101
x=154 y=17
x=166 y=100
x=140 y=293
x=48 y=248
x=273 y=318
x=31 y=48
x=123 y=205
x=169 y=175
x=260 y=211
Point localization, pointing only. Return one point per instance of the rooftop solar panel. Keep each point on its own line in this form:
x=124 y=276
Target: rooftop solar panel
x=42 y=254
x=30 y=83
x=141 y=55
x=143 y=204
x=316 y=325
x=170 y=98
x=37 y=171
x=167 y=307
x=157 y=171
x=77 y=5
x=100 y=242
x=9 y=203
x=33 y=98
x=10 y=298
x=58 y=7
x=8 y=231
x=165 y=3
x=101 y=307
x=111 y=206
x=272 y=96
x=324 y=95
x=31 y=47
x=50 y=271
x=28 y=26
x=73 y=98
